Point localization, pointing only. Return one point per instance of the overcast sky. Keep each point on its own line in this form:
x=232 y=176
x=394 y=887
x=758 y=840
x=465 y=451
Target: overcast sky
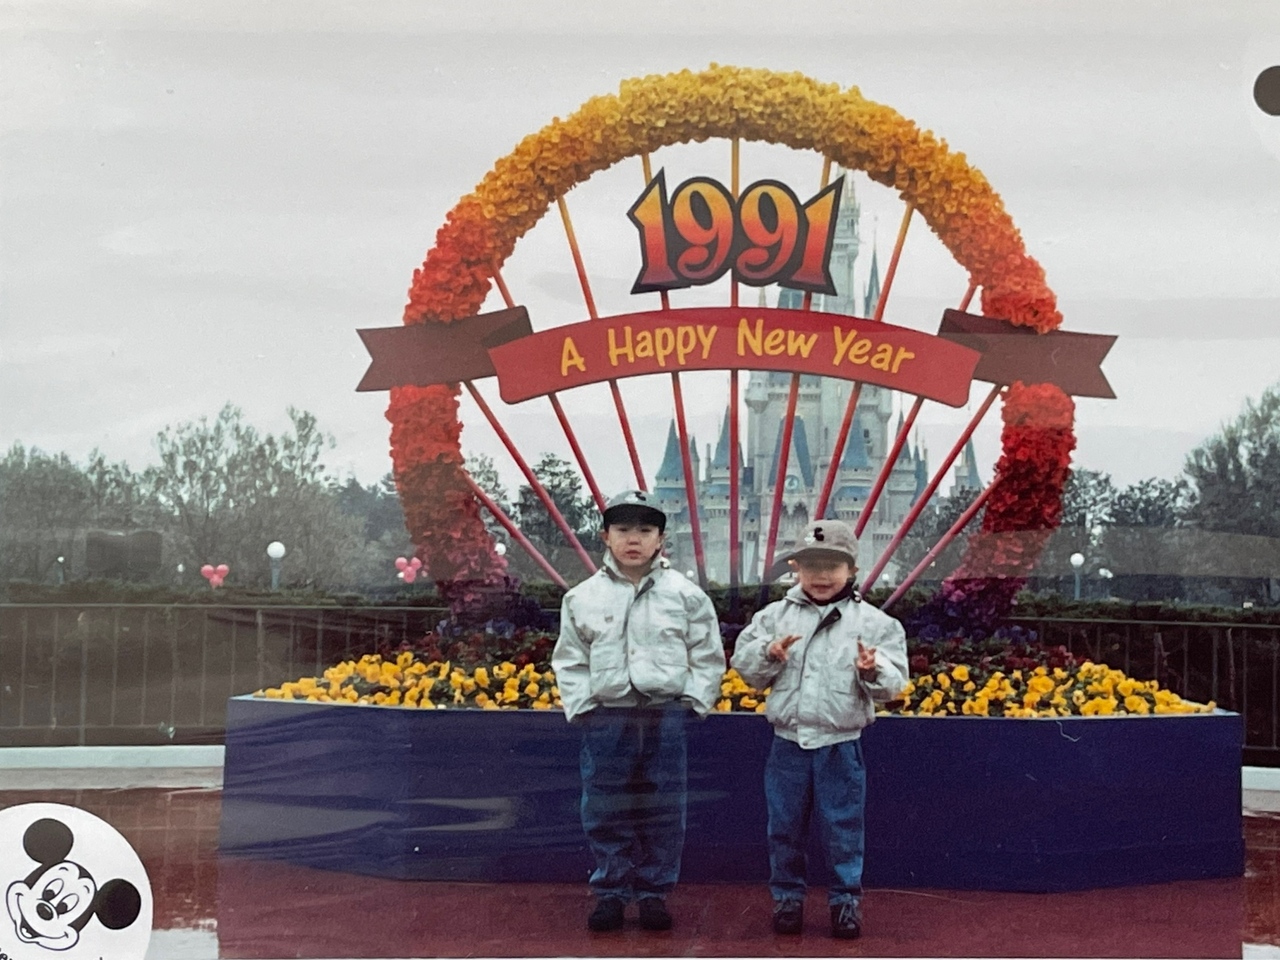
x=200 y=202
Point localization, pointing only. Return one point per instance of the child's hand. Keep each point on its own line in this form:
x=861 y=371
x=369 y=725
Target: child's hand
x=866 y=662
x=777 y=651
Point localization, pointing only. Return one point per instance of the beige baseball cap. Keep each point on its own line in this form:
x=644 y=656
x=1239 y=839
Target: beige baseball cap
x=832 y=539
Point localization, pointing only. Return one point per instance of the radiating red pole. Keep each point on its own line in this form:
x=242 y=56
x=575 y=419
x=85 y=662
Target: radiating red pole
x=686 y=461
x=893 y=262
x=784 y=454
x=921 y=503
x=560 y=414
x=942 y=544
x=623 y=421
x=891 y=460
x=532 y=480
x=780 y=480
x=511 y=528
x=842 y=437
x=886 y=468
x=735 y=548
x=690 y=484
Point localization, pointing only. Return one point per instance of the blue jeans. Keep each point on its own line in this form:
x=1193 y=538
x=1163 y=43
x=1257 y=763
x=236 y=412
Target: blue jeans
x=828 y=784
x=634 y=793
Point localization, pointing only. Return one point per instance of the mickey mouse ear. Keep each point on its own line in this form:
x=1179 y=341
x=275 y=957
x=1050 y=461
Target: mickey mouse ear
x=117 y=904
x=48 y=841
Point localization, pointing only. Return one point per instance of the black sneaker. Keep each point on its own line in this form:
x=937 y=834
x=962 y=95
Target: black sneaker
x=653 y=914
x=788 y=917
x=607 y=915
x=846 y=921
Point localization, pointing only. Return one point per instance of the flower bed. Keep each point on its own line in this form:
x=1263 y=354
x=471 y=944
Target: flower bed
x=988 y=679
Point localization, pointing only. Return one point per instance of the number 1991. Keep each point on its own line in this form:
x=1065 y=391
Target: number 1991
x=765 y=236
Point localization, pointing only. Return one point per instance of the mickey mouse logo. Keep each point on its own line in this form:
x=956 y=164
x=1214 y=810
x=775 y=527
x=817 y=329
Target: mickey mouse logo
x=78 y=889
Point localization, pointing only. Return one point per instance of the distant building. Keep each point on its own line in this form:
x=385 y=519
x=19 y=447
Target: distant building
x=819 y=415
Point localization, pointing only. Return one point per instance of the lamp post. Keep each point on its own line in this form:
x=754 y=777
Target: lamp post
x=1106 y=576
x=1077 y=561
x=276 y=551
x=62 y=572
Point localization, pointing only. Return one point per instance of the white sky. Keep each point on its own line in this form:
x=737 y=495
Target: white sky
x=201 y=202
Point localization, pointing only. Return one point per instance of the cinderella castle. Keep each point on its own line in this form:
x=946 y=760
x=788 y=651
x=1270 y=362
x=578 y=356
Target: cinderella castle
x=819 y=414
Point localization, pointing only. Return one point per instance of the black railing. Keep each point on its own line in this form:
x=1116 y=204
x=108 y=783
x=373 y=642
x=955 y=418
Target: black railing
x=1235 y=665
x=139 y=673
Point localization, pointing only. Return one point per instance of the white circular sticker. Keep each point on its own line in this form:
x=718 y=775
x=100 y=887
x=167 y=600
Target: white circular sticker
x=73 y=887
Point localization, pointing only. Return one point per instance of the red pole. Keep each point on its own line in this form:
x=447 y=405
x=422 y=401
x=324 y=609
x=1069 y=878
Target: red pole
x=735 y=549
x=850 y=409
x=886 y=468
x=591 y=311
x=921 y=503
x=560 y=415
x=512 y=529
x=941 y=545
x=690 y=483
x=533 y=481
x=780 y=480
x=893 y=262
x=842 y=437
x=784 y=454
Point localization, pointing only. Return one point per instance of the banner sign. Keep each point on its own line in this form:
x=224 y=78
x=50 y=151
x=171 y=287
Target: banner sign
x=734 y=338
x=1071 y=361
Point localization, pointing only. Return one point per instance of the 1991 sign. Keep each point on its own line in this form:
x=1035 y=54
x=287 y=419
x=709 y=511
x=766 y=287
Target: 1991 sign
x=765 y=236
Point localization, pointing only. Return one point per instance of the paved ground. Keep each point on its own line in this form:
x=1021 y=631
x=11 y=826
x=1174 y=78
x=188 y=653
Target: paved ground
x=207 y=907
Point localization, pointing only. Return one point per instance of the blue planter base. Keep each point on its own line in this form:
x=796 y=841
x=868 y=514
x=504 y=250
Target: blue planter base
x=960 y=803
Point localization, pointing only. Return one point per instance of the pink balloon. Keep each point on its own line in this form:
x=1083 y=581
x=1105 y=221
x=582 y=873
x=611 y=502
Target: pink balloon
x=223 y=570
x=206 y=571
x=415 y=563
x=410 y=575
x=401 y=563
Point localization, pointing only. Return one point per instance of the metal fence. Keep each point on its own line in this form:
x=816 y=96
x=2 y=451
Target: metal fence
x=137 y=673
x=1235 y=665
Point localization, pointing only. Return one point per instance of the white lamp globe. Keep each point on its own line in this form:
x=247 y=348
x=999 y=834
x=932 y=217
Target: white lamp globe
x=1077 y=560
x=275 y=550
x=500 y=549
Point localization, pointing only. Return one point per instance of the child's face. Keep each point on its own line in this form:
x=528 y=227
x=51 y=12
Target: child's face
x=633 y=544
x=822 y=578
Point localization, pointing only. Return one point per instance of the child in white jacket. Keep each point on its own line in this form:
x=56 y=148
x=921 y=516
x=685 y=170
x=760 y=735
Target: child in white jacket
x=830 y=659
x=639 y=649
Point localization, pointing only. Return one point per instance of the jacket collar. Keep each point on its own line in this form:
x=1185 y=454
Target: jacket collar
x=609 y=567
x=797 y=595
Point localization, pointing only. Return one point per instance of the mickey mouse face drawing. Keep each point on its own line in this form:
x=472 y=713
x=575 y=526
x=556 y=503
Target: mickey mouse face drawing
x=52 y=905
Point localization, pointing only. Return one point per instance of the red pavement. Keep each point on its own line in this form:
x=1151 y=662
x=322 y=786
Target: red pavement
x=265 y=910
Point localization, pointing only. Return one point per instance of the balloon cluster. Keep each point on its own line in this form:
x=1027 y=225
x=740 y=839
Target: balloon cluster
x=215 y=575
x=408 y=569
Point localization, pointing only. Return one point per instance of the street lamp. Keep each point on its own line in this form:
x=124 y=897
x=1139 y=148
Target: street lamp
x=1077 y=561
x=276 y=551
x=62 y=573
x=500 y=549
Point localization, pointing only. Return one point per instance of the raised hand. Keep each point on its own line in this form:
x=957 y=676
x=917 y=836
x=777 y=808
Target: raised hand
x=777 y=651
x=866 y=662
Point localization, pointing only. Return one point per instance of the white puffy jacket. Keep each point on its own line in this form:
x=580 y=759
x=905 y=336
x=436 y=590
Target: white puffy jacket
x=818 y=697
x=625 y=644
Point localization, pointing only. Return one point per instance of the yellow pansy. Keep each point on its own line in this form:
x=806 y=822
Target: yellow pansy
x=960 y=673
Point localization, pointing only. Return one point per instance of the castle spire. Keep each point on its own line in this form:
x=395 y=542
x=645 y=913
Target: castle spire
x=672 y=469
x=873 y=282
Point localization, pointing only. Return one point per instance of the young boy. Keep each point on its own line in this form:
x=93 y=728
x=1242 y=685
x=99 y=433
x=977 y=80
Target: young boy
x=829 y=658
x=639 y=648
